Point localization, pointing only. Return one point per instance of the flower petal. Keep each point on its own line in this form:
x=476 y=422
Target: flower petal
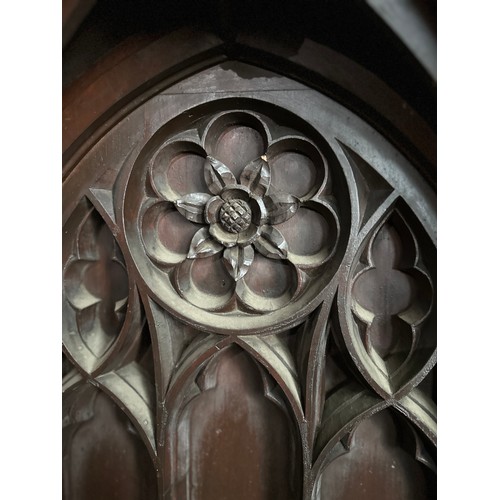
x=177 y=168
x=217 y=175
x=192 y=206
x=205 y=283
x=212 y=209
x=257 y=176
x=271 y=243
x=166 y=234
x=249 y=235
x=238 y=260
x=269 y=285
x=280 y=207
x=202 y=245
x=314 y=247
x=225 y=238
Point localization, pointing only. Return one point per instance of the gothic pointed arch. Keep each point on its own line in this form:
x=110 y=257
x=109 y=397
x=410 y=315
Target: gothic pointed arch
x=249 y=236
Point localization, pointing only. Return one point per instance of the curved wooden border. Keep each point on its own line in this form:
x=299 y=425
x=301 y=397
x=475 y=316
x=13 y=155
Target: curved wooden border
x=143 y=66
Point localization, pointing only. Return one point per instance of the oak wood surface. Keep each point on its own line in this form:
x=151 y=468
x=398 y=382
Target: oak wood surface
x=248 y=280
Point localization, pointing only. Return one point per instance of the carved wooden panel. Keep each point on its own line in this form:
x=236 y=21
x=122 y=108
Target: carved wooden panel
x=248 y=301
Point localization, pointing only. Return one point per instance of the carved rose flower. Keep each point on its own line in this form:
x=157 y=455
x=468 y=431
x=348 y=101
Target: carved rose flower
x=240 y=216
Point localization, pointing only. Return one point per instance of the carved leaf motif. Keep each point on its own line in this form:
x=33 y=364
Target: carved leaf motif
x=271 y=243
x=192 y=206
x=212 y=209
x=202 y=245
x=217 y=175
x=257 y=176
x=280 y=207
x=238 y=260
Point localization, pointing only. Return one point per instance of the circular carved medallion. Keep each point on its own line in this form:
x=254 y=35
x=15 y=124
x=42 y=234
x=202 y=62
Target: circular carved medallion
x=237 y=219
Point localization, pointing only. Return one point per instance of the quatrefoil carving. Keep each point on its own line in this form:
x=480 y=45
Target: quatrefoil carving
x=96 y=286
x=391 y=296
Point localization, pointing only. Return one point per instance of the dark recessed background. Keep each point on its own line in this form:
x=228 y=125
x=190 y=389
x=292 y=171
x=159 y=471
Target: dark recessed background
x=349 y=27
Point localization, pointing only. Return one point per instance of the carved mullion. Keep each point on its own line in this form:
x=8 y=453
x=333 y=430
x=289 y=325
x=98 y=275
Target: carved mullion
x=312 y=347
x=311 y=363
x=169 y=338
